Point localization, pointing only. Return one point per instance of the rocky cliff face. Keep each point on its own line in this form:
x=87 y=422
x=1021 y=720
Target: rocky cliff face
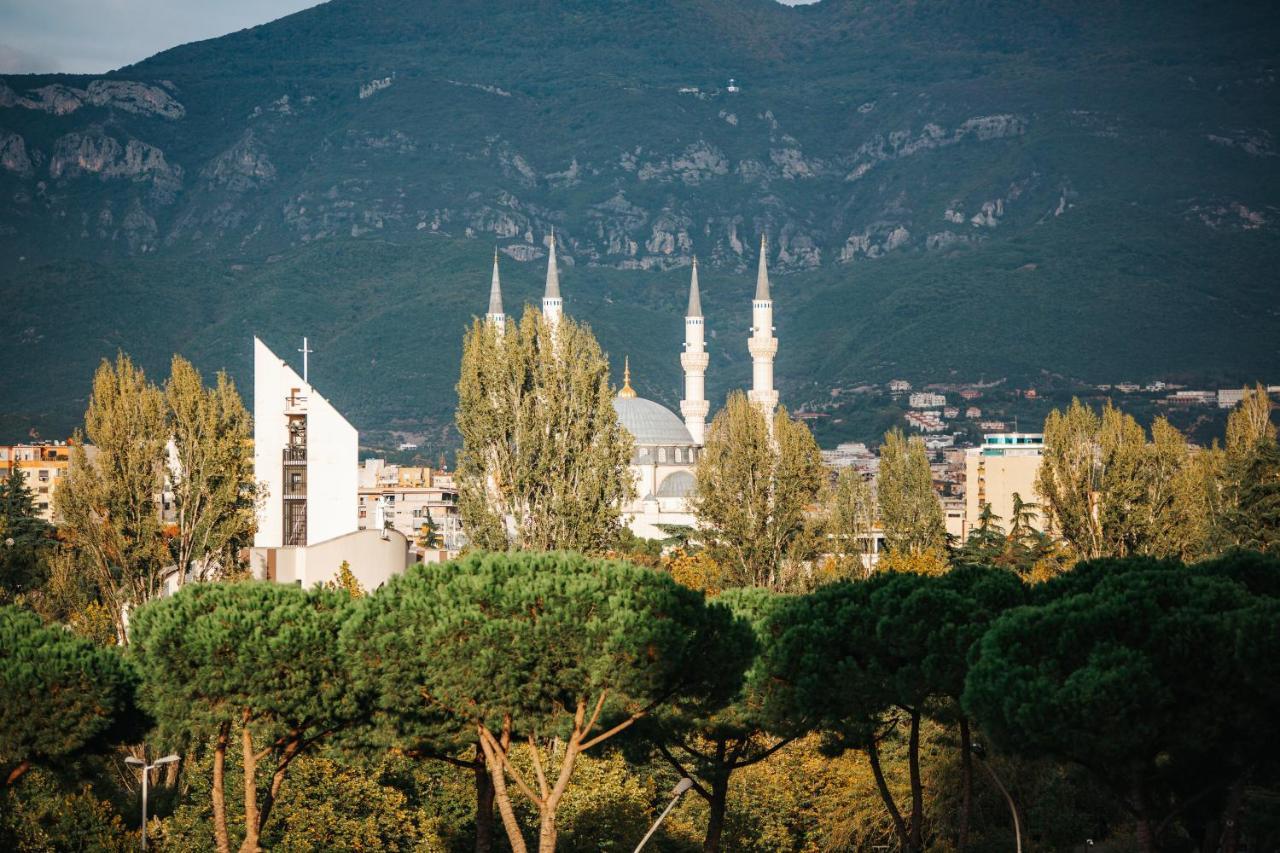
x=837 y=158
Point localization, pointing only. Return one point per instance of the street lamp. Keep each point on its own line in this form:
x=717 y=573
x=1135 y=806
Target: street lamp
x=683 y=785
x=146 y=771
x=980 y=751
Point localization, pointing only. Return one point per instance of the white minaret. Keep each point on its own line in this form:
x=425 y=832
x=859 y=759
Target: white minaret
x=763 y=346
x=552 y=304
x=694 y=406
x=495 y=316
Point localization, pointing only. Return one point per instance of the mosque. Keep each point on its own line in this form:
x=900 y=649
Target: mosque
x=666 y=444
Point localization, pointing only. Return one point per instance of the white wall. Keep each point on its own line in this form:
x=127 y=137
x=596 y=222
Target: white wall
x=332 y=454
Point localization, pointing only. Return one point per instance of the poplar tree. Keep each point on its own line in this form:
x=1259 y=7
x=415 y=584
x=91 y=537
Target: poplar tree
x=544 y=459
x=210 y=471
x=909 y=508
x=551 y=653
x=1251 y=465
x=60 y=695
x=257 y=657
x=754 y=490
x=851 y=518
x=109 y=502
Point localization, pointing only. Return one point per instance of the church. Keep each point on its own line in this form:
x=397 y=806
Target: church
x=666 y=444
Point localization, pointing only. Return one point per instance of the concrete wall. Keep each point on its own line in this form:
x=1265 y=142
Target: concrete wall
x=372 y=557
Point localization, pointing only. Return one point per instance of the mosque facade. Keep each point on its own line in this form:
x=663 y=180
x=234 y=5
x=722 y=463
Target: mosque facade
x=667 y=445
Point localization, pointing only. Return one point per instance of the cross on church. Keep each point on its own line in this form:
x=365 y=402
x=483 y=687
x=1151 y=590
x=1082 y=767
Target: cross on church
x=306 y=351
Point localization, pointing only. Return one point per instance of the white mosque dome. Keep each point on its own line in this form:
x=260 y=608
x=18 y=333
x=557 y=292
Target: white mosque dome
x=651 y=424
x=677 y=485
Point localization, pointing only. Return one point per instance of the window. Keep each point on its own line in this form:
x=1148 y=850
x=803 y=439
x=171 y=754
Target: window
x=662 y=454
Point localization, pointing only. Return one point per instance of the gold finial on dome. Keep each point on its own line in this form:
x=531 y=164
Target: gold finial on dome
x=627 y=391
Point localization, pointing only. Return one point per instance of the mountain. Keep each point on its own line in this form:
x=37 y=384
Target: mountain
x=951 y=189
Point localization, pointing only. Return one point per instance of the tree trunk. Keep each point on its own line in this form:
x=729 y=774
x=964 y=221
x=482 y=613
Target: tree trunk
x=716 y=809
x=220 y=836
x=547 y=830
x=500 y=794
x=966 y=784
x=917 y=789
x=277 y=778
x=1143 y=832
x=250 y=770
x=1231 y=817
x=899 y=826
x=484 y=805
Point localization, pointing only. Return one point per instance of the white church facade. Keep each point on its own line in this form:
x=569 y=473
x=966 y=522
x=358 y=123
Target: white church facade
x=305 y=459
x=667 y=445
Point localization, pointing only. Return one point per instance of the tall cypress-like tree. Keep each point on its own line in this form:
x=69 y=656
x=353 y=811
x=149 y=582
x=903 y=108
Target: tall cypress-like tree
x=109 y=501
x=754 y=490
x=544 y=460
x=909 y=508
x=210 y=471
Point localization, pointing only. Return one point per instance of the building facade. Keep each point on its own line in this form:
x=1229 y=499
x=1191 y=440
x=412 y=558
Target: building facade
x=43 y=466
x=1005 y=464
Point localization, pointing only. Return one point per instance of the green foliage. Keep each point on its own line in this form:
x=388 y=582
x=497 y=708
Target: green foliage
x=43 y=815
x=544 y=459
x=1143 y=672
x=60 y=696
x=25 y=539
x=210 y=471
x=909 y=508
x=260 y=655
x=556 y=645
x=754 y=485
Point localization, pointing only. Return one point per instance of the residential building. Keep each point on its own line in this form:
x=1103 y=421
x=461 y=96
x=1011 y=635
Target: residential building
x=925 y=421
x=926 y=400
x=1229 y=398
x=407 y=499
x=899 y=386
x=43 y=465
x=1004 y=464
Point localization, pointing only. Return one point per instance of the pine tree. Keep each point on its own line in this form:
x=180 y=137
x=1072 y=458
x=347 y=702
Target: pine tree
x=544 y=460
x=26 y=540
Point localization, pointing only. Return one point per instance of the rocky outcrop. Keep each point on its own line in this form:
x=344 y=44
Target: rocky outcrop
x=242 y=167
x=903 y=143
x=13 y=155
x=698 y=163
x=96 y=153
x=126 y=95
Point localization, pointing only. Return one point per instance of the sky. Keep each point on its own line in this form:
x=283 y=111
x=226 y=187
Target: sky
x=93 y=36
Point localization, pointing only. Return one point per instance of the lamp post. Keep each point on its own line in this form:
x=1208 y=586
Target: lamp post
x=980 y=751
x=683 y=785
x=146 y=771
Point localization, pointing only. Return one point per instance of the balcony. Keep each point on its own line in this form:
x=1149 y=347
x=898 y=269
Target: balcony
x=295 y=456
x=295 y=404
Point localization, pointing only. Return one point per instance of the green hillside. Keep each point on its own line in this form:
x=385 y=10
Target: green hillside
x=951 y=190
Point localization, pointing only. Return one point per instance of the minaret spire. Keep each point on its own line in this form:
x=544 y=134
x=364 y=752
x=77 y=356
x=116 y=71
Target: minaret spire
x=495 y=315
x=763 y=346
x=762 y=272
x=694 y=360
x=552 y=304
